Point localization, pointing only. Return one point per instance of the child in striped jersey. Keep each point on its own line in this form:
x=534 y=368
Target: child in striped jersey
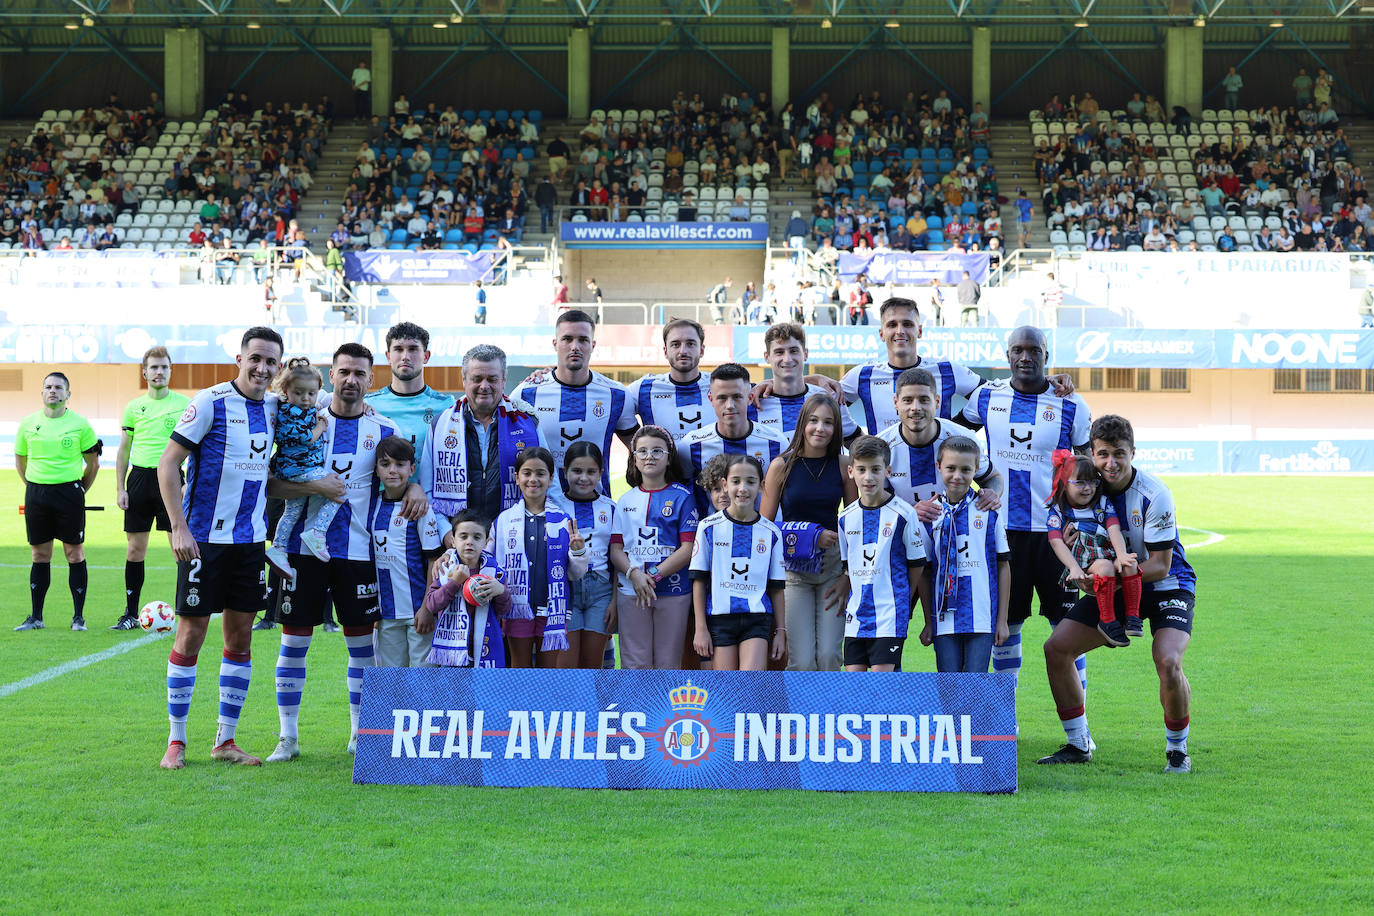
x=300 y=458
x=402 y=551
x=592 y=603
x=738 y=578
x=1099 y=555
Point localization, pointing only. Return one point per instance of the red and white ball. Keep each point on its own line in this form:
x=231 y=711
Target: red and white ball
x=157 y=617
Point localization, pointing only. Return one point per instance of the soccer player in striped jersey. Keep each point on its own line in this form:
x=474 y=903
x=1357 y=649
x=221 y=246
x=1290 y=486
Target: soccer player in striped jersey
x=1145 y=508
x=349 y=578
x=738 y=578
x=968 y=574
x=784 y=347
x=1024 y=422
x=218 y=530
x=145 y=432
x=403 y=550
x=676 y=400
x=573 y=403
x=915 y=441
x=881 y=553
x=733 y=433
x=872 y=385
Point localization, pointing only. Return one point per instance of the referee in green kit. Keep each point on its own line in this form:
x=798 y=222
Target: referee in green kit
x=57 y=455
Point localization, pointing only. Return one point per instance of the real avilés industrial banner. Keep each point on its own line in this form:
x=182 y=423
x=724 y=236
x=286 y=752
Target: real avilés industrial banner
x=830 y=731
x=914 y=268
x=395 y=266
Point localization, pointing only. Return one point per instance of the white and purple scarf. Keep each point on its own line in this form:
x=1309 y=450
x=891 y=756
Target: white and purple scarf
x=515 y=431
x=454 y=625
x=509 y=539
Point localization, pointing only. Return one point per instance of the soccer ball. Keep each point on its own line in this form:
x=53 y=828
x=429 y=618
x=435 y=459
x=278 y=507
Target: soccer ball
x=157 y=617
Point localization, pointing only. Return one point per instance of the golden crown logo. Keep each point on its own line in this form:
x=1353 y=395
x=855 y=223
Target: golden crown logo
x=688 y=698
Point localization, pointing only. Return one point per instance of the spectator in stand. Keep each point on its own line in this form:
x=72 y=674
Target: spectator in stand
x=430 y=239
x=1232 y=83
x=362 y=90
x=558 y=153
x=1302 y=88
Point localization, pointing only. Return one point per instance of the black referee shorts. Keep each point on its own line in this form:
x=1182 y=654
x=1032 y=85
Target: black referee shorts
x=145 y=503
x=55 y=512
x=1035 y=571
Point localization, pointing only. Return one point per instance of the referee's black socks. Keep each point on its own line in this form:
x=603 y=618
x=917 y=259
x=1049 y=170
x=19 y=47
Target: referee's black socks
x=76 y=581
x=40 y=577
x=133 y=586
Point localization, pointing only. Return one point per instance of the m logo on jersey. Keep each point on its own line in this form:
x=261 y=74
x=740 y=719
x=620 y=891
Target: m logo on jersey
x=648 y=534
x=686 y=419
x=1019 y=438
x=257 y=447
x=738 y=572
x=570 y=435
x=341 y=470
x=379 y=540
x=870 y=554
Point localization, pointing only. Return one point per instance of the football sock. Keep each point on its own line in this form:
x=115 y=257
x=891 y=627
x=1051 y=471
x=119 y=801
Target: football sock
x=1075 y=723
x=1007 y=656
x=40 y=577
x=1130 y=592
x=234 y=672
x=1176 y=734
x=77 y=581
x=1081 y=663
x=295 y=643
x=1105 y=587
x=181 y=683
x=133 y=586
x=361 y=656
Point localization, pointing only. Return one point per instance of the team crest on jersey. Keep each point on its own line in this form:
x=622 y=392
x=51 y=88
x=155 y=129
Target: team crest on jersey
x=519 y=444
x=978 y=522
x=668 y=509
x=687 y=738
x=887 y=530
x=599 y=409
x=368 y=443
x=603 y=518
x=429 y=415
x=450 y=441
x=1048 y=414
x=1135 y=518
x=398 y=521
x=193 y=598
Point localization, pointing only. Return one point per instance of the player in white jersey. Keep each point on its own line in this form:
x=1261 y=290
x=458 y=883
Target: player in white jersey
x=349 y=577
x=1145 y=508
x=871 y=386
x=733 y=433
x=217 y=535
x=882 y=555
x=573 y=403
x=915 y=441
x=738 y=577
x=784 y=347
x=967 y=570
x=677 y=400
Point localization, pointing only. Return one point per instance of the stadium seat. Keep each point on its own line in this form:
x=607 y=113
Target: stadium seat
x=1058 y=237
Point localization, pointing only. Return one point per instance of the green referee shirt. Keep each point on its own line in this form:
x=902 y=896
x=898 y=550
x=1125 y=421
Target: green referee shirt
x=150 y=421
x=54 y=446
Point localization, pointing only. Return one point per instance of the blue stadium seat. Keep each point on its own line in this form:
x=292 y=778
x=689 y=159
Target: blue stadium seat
x=396 y=246
x=450 y=246
x=969 y=208
x=501 y=114
x=945 y=165
x=416 y=180
x=484 y=114
x=927 y=154
x=934 y=223
x=528 y=153
x=980 y=153
x=469 y=114
x=910 y=153
x=535 y=116
x=470 y=247
x=517 y=114
x=935 y=246
x=398 y=235
x=454 y=235
x=439 y=154
x=945 y=153
x=508 y=154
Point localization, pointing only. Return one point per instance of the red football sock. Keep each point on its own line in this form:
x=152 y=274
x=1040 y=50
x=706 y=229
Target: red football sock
x=1130 y=591
x=1105 y=587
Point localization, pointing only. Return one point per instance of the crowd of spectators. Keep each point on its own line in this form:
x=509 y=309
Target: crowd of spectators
x=1234 y=180
x=120 y=176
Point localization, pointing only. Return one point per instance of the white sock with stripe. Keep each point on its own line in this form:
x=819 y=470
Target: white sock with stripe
x=291 y=681
x=235 y=671
x=361 y=656
x=181 y=684
x=1007 y=656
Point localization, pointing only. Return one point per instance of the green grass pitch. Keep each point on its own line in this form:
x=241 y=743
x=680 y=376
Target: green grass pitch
x=1277 y=813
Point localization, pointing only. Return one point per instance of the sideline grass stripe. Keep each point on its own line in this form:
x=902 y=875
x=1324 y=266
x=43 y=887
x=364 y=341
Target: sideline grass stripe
x=1212 y=537
x=75 y=664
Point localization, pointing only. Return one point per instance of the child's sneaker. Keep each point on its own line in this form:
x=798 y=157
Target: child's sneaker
x=313 y=541
x=276 y=558
x=1134 y=628
x=1114 y=633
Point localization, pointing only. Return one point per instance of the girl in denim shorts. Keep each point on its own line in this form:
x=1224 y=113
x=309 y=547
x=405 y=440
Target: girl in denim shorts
x=591 y=605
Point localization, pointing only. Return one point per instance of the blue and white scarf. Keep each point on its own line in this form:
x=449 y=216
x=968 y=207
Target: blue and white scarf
x=947 y=588
x=801 y=551
x=509 y=535
x=454 y=625
x=514 y=432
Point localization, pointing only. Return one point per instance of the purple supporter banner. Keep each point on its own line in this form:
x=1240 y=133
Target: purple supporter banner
x=914 y=267
x=827 y=731
x=394 y=266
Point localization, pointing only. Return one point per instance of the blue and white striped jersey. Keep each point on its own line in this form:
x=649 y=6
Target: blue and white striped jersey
x=678 y=408
x=595 y=521
x=1091 y=520
x=402 y=550
x=738 y=562
x=871 y=386
x=230 y=439
x=573 y=413
x=697 y=448
x=650 y=525
x=881 y=551
x=914 y=474
x=780 y=412
x=1022 y=431
x=981 y=542
x=1148 y=523
x=350 y=445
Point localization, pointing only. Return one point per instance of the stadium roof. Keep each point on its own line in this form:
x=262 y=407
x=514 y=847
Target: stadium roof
x=371 y=13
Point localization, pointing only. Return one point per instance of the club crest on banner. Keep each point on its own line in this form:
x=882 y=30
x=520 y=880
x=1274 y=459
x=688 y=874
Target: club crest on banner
x=687 y=739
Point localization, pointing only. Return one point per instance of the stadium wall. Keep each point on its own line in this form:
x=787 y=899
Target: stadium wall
x=669 y=273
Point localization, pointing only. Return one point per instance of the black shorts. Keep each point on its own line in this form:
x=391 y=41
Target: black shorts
x=352 y=584
x=55 y=512
x=873 y=650
x=145 y=502
x=224 y=577
x=1035 y=570
x=1171 y=610
x=733 y=629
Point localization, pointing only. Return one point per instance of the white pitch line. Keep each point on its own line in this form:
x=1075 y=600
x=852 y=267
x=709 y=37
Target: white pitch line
x=59 y=566
x=1212 y=537
x=57 y=671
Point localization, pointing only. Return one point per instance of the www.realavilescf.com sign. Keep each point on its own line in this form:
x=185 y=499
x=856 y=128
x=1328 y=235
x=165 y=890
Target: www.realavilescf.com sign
x=900 y=732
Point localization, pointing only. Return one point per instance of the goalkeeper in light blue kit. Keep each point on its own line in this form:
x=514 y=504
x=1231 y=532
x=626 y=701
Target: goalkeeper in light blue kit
x=408 y=401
